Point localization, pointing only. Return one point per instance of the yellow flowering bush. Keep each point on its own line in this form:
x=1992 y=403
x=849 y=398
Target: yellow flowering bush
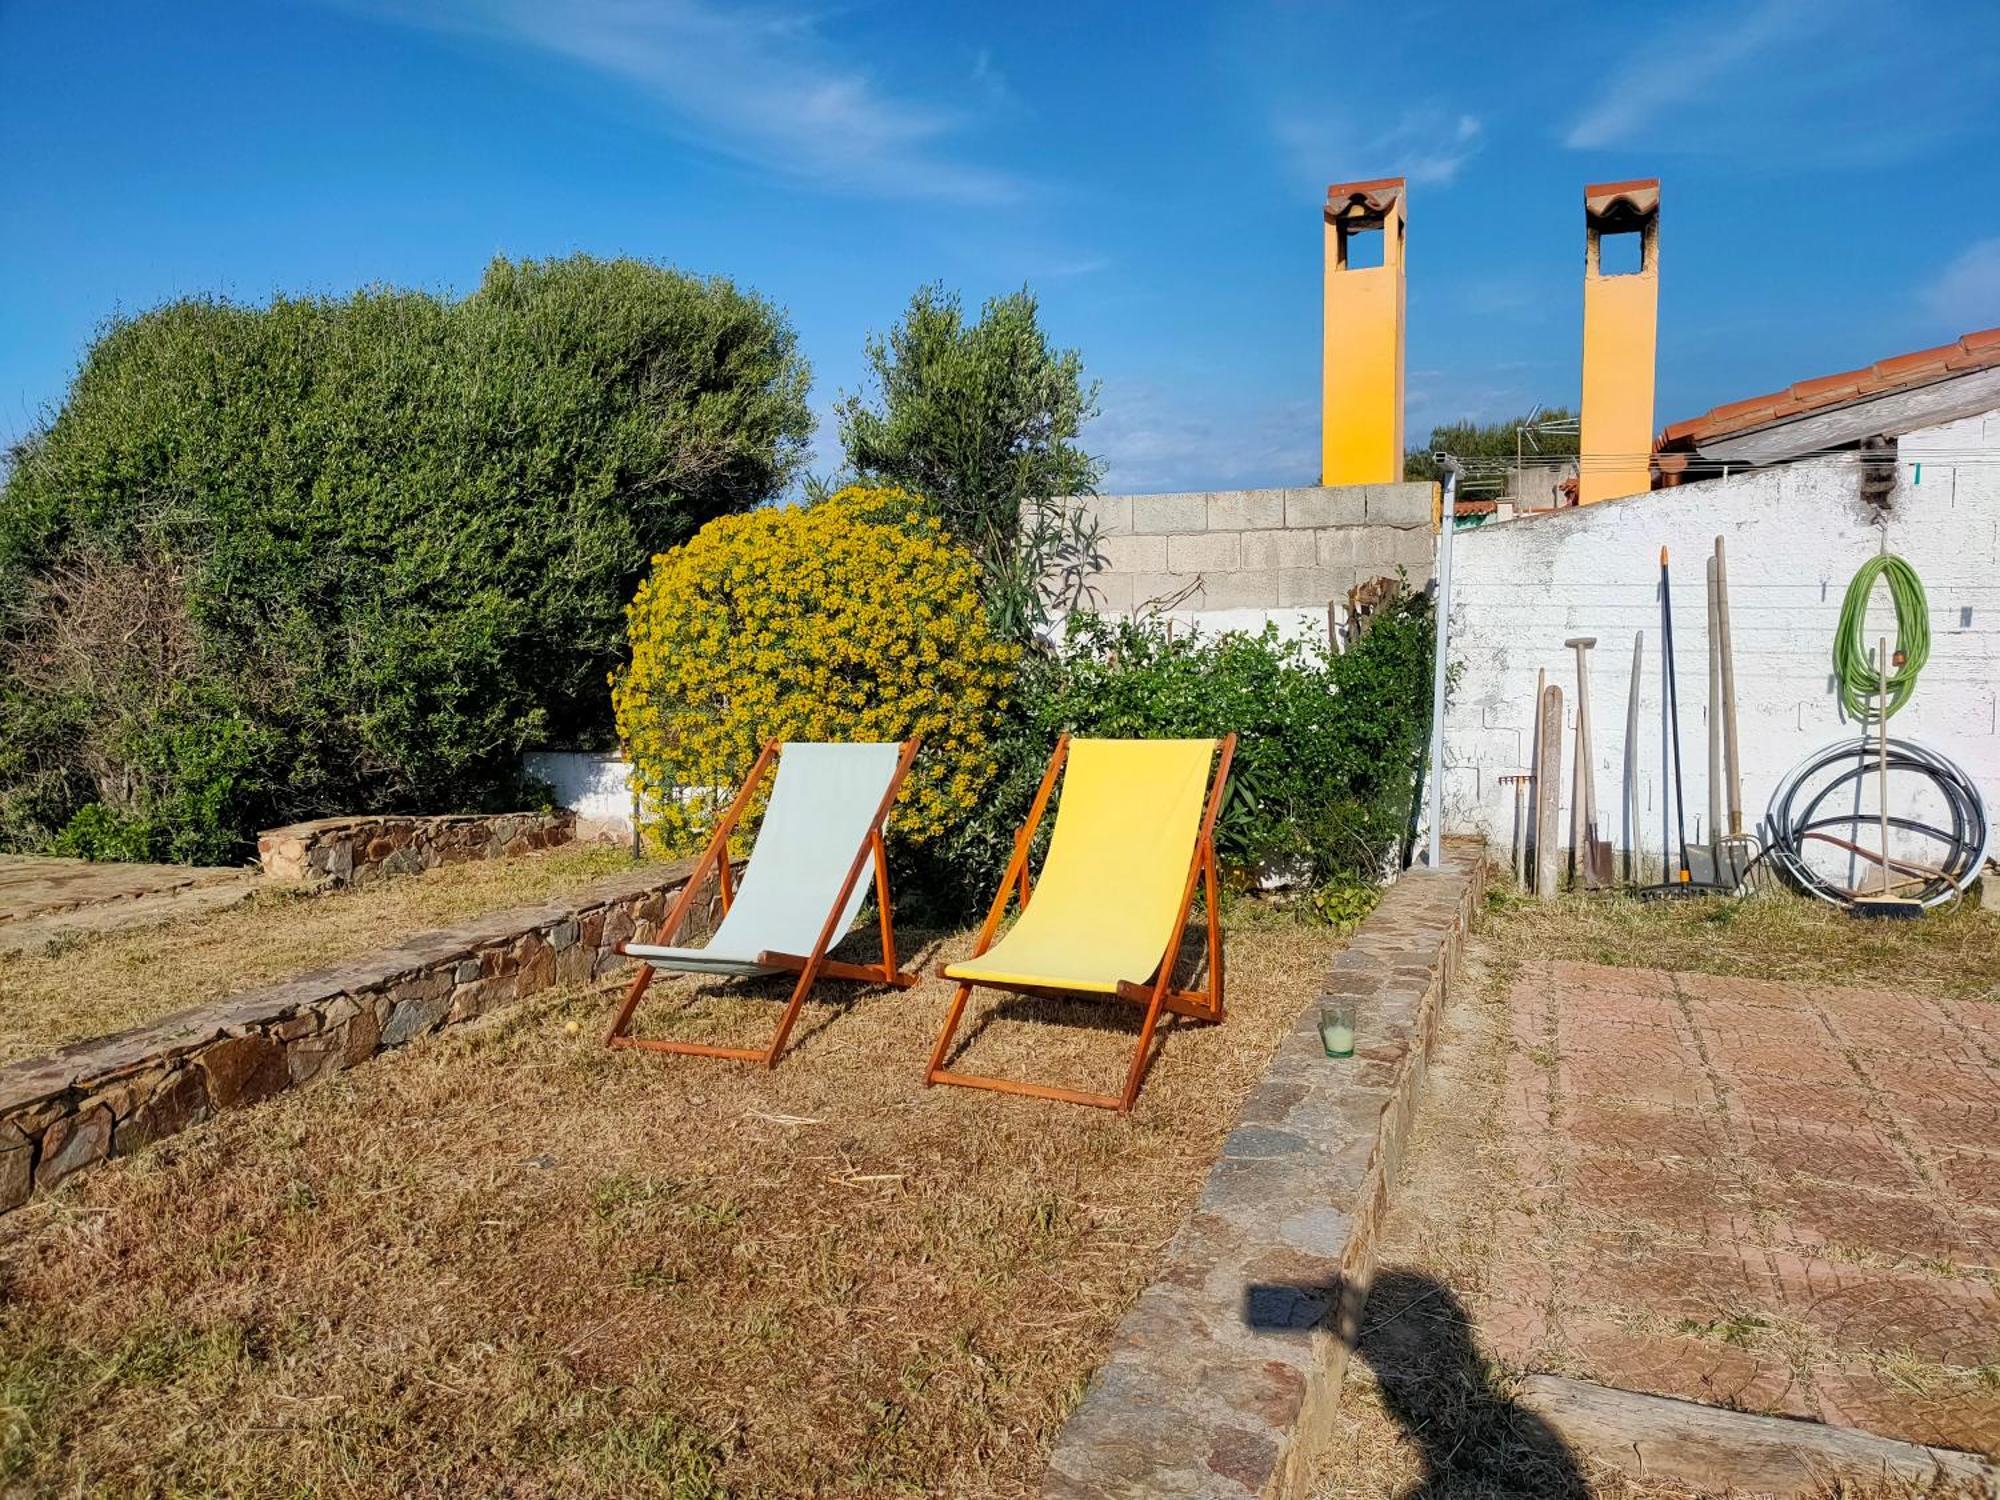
x=855 y=618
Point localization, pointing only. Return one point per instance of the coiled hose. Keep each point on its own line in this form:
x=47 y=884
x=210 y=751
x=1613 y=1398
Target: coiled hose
x=1824 y=792
x=1860 y=687
x=1796 y=818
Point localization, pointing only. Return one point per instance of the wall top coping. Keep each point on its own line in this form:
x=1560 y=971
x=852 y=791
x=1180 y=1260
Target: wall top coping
x=369 y=820
x=100 y=1059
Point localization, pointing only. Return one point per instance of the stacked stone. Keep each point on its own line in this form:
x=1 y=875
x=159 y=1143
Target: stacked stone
x=1223 y=1376
x=112 y=1095
x=336 y=852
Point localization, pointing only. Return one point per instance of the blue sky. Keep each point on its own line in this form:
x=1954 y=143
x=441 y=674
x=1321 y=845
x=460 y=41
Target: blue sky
x=1831 y=179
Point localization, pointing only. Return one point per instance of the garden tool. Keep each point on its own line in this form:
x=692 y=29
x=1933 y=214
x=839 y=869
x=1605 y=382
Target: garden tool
x=1671 y=707
x=1520 y=781
x=1739 y=849
x=1680 y=879
x=1548 y=792
x=1632 y=762
x=1592 y=853
x=1705 y=859
x=1531 y=834
x=1888 y=899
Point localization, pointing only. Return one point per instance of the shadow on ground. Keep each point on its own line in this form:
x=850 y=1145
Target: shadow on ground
x=1473 y=1441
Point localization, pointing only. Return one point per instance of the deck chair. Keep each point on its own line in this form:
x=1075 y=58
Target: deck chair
x=801 y=890
x=1132 y=836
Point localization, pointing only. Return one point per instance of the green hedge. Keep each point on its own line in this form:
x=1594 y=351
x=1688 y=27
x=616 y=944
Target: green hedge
x=330 y=555
x=1327 y=752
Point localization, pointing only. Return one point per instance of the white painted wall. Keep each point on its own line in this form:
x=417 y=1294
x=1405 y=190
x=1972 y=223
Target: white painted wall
x=596 y=786
x=1794 y=536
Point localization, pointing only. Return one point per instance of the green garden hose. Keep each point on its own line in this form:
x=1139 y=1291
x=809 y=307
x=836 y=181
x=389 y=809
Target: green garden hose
x=1860 y=687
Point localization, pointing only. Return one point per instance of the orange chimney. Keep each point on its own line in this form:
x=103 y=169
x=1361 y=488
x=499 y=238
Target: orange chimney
x=1621 y=308
x=1361 y=403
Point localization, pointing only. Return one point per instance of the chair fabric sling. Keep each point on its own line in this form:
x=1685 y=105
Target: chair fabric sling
x=801 y=890
x=1134 y=833
x=822 y=810
x=1109 y=891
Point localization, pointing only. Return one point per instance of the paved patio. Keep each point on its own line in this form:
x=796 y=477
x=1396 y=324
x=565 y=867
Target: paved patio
x=1766 y=1196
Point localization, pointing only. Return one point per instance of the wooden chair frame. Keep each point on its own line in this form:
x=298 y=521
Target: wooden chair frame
x=1158 y=996
x=810 y=967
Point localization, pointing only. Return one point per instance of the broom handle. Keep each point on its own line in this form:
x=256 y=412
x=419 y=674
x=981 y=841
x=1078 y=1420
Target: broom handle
x=1732 y=767
x=1674 y=713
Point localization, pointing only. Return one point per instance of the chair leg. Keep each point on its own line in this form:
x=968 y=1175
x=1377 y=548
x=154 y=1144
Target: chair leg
x=1215 y=987
x=633 y=994
x=890 y=973
x=791 y=1014
x=943 y=1047
x=1142 y=1054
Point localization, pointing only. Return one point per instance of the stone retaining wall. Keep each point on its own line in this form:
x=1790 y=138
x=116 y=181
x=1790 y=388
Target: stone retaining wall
x=114 y=1094
x=336 y=852
x=1223 y=1375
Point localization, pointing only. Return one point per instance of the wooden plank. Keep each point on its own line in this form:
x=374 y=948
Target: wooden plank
x=1657 y=1438
x=1548 y=794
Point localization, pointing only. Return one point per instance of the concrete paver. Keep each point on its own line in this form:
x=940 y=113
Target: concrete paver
x=1775 y=1197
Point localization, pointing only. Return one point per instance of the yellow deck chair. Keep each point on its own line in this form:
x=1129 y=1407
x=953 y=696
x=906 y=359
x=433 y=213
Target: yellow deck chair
x=1133 y=834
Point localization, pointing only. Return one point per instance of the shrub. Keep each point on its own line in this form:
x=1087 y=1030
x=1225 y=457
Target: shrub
x=852 y=618
x=981 y=419
x=373 y=547
x=1328 y=745
x=1343 y=902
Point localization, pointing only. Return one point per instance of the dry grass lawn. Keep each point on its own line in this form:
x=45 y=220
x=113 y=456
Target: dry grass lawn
x=1766 y=935
x=508 y=1262
x=109 y=983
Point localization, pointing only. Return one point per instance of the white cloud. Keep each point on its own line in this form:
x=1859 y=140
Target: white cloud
x=1664 y=80
x=1075 y=265
x=1426 y=143
x=760 y=85
x=1785 y=84
x=1966 y=295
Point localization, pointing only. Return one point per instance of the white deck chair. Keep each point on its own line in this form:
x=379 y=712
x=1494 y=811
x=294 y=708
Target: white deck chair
x=802 y=889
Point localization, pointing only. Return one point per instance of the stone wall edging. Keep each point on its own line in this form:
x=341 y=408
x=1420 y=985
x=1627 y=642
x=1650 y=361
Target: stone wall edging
x=354 y=851
x=111 y=1095
x=1223 y=1376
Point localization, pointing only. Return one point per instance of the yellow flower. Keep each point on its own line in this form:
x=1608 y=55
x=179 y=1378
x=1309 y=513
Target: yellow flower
x=854 y=618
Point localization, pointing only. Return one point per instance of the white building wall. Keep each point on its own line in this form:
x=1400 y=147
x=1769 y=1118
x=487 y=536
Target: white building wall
x=594 y=785
x=1794 y=537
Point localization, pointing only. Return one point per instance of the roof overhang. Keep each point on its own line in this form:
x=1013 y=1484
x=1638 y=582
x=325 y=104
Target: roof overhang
x=1885 y=399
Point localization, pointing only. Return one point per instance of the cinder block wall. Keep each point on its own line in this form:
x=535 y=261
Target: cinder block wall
x=1243 y=556
x=1794 y=537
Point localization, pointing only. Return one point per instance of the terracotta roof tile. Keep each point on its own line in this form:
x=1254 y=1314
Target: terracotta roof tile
x=1618 y=189
x=1372 y=185
x=1973 y=351
x=1375 y=197
x=1904 y=366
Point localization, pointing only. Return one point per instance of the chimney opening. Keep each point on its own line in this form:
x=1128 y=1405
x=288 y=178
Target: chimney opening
x=1362 y=248
x=1621 y=253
